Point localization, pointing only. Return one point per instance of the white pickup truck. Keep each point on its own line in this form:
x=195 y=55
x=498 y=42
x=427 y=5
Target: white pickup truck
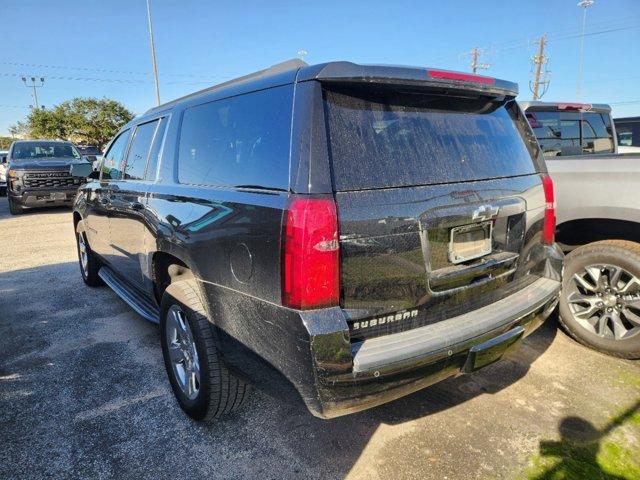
x=598 y=222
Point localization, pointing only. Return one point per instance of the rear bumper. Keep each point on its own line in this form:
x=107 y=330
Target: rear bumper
x=391 y=366
x=43 y=198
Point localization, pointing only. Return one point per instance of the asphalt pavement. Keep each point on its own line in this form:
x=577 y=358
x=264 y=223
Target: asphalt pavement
x=83 y=394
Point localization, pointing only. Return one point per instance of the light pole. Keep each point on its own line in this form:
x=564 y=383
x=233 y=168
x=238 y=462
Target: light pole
x=153 y=53
x=302 y=54
x=584 y=4
x=34 y=84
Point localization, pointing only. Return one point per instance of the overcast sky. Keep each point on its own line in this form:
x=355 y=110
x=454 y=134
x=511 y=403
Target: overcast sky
x=101 y=48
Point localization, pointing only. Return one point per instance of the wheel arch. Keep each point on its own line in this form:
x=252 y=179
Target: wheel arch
x=574 y=233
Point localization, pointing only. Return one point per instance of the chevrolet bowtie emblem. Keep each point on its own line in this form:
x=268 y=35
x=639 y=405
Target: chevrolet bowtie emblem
x=485 y=212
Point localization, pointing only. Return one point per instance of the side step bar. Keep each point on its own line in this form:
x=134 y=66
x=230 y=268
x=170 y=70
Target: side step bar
x=139 y=303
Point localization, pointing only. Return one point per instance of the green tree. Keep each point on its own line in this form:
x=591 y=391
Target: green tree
x=91 y=120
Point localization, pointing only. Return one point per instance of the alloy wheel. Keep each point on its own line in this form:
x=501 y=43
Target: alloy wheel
x=182 y=352
x=605 y=299
x=84 y=254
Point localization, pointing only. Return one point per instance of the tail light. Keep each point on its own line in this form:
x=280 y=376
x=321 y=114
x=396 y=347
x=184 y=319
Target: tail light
x=310 y=254
x=549 y=223
x=461 y=77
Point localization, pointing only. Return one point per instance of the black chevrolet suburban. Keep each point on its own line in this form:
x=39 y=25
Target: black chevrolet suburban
x=339 y=233
x=38 y=174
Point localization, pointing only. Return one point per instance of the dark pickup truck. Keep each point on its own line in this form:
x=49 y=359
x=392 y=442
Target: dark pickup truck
x=339 y=233
x=38 y=174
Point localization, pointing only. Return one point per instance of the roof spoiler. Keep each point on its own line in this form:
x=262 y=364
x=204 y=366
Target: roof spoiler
x=347 y=72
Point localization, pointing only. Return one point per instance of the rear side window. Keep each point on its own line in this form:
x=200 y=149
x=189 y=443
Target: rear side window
x=154 y=155
x=380 y=140
x=113 y=158
x=139 y=151
x=628 y=133
x=572 y=133
x=238 y=141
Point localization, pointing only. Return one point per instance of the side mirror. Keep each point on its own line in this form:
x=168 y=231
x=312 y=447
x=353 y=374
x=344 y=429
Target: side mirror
x=83 y=170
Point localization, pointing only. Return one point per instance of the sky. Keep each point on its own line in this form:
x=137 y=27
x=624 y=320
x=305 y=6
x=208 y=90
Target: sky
x=93 y=48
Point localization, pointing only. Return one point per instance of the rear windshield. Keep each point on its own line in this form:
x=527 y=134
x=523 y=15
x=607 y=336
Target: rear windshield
x=628 y=133
x=572 y=133
x=397 y=139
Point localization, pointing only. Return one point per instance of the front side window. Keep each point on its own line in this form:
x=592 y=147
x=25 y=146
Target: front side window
x=139 y=152
x=238 y=141
x=111 y=165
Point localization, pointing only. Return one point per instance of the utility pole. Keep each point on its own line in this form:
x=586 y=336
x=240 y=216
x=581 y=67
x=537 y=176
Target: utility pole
x=35 y=83
x=584 y=4
x=153 y=53
x=539 y=60
x=475 y=66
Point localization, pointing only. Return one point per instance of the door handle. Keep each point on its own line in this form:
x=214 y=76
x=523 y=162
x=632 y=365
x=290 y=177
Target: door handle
x=104 y=200
x=137 y=206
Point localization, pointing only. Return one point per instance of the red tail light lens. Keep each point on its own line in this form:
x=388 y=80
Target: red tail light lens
x=549 y=223
x=311 y=254
x=461 y=77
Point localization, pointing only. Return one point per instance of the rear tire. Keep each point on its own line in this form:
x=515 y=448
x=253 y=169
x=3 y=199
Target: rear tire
x=89 y=263
x=204 y=388
x=614 y=327
x=14 y=209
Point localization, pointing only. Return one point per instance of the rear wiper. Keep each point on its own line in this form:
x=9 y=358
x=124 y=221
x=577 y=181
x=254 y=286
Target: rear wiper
x=260 y=187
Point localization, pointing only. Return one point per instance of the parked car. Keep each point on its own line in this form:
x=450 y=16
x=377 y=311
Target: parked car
x=38 y=174
x=345 y=234
x=91 y=152
x=598 y=223
x=628 y=131
x=3 y=172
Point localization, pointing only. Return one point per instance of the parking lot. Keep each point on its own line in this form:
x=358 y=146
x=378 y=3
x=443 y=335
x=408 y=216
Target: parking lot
x=83 y=393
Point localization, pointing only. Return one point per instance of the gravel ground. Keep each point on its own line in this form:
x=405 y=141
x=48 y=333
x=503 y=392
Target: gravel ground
x=83 y=394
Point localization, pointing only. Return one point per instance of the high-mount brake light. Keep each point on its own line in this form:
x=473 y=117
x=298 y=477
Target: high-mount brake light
x=549 y=222
x=582 y=107
x=310 y=254
x=461 y=77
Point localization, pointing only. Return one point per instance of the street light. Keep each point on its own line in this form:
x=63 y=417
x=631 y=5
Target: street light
x=584 y=4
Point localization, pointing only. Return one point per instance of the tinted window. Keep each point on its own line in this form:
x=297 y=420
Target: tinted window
x=242 y=140
x=154 y=155
x=383 y=140
x=572 y=133
x=113 y=158
x=139 y=151
x=628 y=133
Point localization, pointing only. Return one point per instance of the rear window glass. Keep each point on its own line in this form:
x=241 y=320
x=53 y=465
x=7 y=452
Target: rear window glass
x=238 y=141
x=380 y=140
x=571 y=133
x=628 y=133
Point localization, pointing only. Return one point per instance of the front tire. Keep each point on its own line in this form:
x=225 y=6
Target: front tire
x=89 y=263
x=600 y=301
x=14 y=209
x=204 y=388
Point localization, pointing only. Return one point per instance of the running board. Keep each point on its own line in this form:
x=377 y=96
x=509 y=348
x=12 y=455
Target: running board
x=145 y=308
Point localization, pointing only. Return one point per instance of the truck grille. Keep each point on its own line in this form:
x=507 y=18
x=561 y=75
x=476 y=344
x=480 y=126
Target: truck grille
x=51 y=180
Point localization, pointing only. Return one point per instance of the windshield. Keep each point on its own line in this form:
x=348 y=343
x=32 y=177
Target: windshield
x=90 y=151
x=397 y=139
x=44 y=150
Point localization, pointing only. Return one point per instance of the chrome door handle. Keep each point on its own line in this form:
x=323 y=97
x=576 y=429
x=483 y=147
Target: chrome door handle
x=137 y=206
x=104 y=200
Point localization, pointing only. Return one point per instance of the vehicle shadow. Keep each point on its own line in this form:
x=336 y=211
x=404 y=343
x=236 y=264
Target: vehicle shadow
x=98 y=353
x=4 y=210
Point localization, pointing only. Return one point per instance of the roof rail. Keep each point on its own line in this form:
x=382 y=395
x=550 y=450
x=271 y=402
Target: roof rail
x=285 y=66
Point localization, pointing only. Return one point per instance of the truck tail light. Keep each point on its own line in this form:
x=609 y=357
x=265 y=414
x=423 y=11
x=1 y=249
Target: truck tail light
x=310 y=254
x=549 y=222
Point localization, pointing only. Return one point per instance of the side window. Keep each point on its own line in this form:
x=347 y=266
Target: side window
x=242 y=140
x=546 y=127
x=154 y=155
x=597 y=136
x=139 y=152
x=113 y=158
